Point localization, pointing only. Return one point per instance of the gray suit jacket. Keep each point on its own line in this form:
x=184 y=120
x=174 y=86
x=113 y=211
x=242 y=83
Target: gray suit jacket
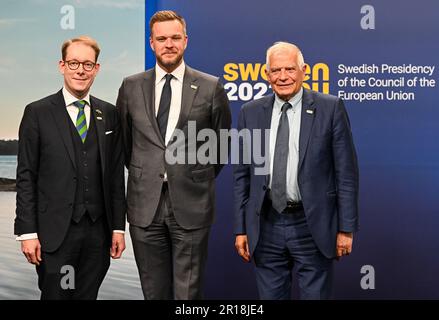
x=191 y=186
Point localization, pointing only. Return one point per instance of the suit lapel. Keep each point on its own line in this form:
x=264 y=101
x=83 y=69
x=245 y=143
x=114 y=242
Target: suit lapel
x=306 y=123
x=189 y=90
x=265 y=117
x=148 y=88
x=97 y=115
x=61 y=117
x=264 y=122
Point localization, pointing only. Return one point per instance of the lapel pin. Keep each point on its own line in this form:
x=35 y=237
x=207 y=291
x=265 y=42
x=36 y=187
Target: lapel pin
x=99 y=118
x=194 y=87
x=310 y=111
x=98 y=111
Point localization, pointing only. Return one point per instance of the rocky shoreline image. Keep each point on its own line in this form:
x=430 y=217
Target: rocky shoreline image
x=7 y=184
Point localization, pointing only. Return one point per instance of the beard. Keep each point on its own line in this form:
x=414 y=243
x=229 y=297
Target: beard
x=169 y=64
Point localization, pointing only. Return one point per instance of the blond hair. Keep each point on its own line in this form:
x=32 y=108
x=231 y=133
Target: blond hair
x=84 y=39
x=166 y=15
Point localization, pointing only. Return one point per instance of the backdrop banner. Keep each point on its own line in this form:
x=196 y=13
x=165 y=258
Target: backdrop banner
x=381 y=57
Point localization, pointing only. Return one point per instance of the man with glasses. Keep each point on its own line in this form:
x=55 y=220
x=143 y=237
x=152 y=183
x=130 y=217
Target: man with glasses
x=70 y=215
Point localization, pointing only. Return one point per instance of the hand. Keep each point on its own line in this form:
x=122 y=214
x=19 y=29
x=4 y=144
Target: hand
x=117 y=245
x=344 y=243
x=241 y=245
x=32 y=250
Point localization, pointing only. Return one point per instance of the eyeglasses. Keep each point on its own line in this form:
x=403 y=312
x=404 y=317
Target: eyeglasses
x=74 y=65
x=277 y=71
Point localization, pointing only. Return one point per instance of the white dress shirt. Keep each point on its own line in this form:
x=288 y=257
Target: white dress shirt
x=176 y=89
x=294 y=117
x=73 y=110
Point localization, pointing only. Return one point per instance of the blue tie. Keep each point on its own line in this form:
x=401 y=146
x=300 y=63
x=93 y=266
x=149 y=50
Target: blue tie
x=81 y=122
x=279 y=179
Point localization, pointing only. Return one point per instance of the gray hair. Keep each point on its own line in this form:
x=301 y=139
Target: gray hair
x=285 y=45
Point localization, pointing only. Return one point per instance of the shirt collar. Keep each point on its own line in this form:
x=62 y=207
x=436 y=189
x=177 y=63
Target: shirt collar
x=294 y=100
x=177 y=73
x=69 y=98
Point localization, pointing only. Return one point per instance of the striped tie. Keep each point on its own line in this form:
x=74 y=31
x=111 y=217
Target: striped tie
x=81 y=123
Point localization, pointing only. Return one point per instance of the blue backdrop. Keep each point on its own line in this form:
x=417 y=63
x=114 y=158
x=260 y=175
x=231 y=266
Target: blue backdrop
x=397 y=140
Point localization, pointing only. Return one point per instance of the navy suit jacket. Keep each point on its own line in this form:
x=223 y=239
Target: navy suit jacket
x=327 y=174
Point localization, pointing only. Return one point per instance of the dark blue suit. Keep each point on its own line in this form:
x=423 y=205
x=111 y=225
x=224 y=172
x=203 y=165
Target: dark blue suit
x=327 y=171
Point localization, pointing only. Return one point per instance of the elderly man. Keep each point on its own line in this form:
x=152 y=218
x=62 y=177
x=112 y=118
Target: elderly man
x=303 y=212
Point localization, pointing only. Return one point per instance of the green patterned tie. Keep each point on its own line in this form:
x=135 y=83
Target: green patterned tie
x=81 y=123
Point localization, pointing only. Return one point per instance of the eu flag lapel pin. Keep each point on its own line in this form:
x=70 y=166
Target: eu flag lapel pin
x=310 y=111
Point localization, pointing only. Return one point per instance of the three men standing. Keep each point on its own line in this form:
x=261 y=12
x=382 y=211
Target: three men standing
x=70 y=185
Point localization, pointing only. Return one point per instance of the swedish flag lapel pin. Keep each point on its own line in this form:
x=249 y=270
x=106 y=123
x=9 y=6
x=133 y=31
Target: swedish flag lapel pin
x=98 y=114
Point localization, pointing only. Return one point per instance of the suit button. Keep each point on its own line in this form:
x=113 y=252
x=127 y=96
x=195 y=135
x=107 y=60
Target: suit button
x=85 y=164
x=86 y=190
x=86 y=202
x=70 y=205
x=161 y=175
x=85 y=177
x=264 y=188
